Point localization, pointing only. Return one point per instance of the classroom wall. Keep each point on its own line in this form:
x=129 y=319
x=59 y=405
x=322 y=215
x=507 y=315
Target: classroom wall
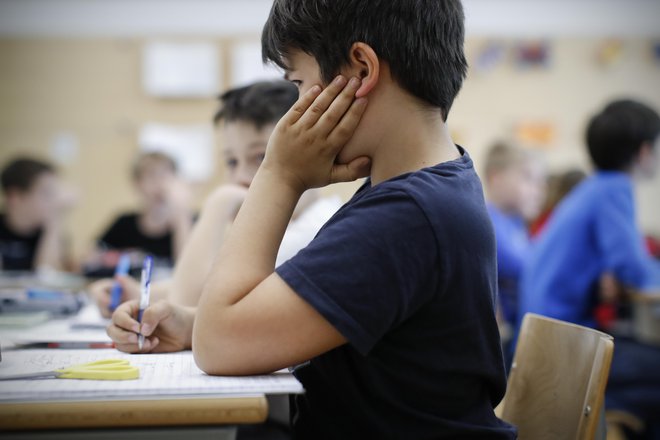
x=91 y=88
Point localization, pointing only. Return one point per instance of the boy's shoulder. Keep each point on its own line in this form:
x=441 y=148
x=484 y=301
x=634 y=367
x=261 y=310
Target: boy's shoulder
x=443 y=180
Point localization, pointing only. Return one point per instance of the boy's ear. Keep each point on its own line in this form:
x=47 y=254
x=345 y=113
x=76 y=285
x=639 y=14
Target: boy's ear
x=365 y=65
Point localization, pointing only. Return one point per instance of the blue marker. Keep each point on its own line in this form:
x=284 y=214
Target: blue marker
x=145 y=285
x=123 y=265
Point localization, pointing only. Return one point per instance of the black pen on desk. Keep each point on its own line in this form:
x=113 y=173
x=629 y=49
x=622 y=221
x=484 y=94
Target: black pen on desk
x=145 y=286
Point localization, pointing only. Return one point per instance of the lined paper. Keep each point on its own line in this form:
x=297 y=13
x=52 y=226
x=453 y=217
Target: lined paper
x=169 y=374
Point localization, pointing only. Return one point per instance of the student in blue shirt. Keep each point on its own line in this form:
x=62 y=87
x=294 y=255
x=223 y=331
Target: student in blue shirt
x=515 y=188
x=593 y=234
x=389 y=313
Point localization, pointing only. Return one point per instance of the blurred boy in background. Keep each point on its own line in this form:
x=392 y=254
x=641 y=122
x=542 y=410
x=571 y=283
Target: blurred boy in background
x=32 y=221
x=593 y=237
x=164 y=221
x=515 y=184
x=245 y=119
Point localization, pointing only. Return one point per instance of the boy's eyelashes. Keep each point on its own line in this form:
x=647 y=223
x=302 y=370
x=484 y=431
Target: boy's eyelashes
x=255 y=158
x=296 y=82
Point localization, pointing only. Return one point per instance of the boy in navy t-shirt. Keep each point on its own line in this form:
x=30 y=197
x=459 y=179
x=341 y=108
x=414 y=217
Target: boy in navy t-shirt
x=390 y=312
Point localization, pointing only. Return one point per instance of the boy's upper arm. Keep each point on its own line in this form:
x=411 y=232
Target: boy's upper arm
x=272 y=328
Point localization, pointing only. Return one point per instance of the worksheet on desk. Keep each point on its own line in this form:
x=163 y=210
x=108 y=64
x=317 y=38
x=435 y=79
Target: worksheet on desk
x=169 y=374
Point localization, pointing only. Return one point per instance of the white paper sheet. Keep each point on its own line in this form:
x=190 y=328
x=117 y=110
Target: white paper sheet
x=171 y=374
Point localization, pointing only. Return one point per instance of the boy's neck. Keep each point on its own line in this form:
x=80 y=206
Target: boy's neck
x=410 y=139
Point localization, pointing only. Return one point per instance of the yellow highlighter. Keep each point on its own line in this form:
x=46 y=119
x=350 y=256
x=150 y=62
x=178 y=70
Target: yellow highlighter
x=107 y=369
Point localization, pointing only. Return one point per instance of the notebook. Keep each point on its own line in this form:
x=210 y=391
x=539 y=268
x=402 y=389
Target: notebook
x=169 y=374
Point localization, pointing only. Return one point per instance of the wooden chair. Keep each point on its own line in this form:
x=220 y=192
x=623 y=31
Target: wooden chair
x=556 y=387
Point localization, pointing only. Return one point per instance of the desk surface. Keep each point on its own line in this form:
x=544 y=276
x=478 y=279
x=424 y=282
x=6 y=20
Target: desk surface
x=180 y=411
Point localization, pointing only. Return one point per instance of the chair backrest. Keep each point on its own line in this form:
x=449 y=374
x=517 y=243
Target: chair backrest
x=556 y=386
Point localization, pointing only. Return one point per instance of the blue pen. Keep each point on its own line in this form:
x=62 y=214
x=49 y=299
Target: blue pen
x=145 y=285
x=123 y=266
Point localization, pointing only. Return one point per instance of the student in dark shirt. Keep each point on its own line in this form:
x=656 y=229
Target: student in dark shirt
x=31 y=224
x=390 y=312
x=163 y=224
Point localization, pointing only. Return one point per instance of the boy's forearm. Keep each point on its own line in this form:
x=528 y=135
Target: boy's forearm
x=160 y=290
x=195 y=262
x=181 y=231
x=50 y=252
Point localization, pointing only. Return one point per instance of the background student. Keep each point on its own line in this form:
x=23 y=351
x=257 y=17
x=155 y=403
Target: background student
x=32 y=220
x=515 y=188
x=559 y=185
x=389 y=312
x=593 y=237
x=162 y=224
x=245 y=121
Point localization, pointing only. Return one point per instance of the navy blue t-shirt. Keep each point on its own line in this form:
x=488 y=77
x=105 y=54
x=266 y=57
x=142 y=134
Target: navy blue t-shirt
x=406 y=271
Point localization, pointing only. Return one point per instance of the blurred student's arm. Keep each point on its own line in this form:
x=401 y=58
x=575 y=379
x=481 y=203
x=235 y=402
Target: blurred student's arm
x=181 y=221
x=246 y=309
x=51 y=249
x=195 y=262
x=621 y=242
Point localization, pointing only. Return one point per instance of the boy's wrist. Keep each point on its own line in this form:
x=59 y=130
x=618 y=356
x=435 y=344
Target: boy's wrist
x=280 y=180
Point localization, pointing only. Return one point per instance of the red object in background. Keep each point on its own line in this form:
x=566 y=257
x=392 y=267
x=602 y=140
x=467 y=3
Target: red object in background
x=605 y=315
x=653 y=245
x=539 y=224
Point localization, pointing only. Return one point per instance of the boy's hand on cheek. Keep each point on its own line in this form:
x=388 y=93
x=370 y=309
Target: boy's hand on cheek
x=305 y=143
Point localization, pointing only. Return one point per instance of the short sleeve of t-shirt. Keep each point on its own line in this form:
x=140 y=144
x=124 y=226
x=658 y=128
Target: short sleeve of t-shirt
x=365 y=270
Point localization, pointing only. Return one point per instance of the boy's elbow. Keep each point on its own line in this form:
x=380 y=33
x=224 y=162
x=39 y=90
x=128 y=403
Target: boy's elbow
x=211 y=351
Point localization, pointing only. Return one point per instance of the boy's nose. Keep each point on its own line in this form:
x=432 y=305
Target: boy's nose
x=243 y=178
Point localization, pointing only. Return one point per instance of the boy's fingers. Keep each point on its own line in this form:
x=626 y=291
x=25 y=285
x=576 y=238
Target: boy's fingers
x=298 y=109
x=124 y=316
x=344 y=129
x=338 y=108
x=355 y=169
x=149 y=345
x=324 y=101
x=153 y=315
x=121 y=336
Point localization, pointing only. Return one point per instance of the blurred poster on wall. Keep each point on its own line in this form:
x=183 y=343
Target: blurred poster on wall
x=532 y=55
x=191 y=146
x=610 y=53
x=247 y=67
x=180 y=70
x=490 y=55
x=655 y=52
x=537 y=133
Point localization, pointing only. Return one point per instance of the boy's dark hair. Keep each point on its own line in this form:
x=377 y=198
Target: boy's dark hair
x=21 y=173
x=421 y=40
x=260 y=104
x=616 y=134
